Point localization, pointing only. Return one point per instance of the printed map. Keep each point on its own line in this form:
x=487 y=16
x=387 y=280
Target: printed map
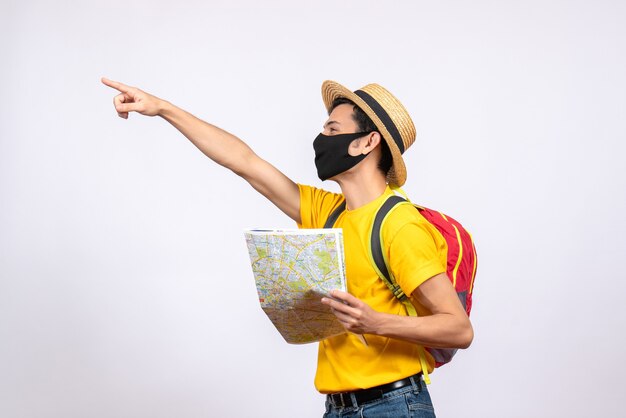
x=293 y=269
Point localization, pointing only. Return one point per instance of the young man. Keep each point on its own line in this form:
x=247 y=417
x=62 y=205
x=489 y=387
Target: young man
x=361 y=149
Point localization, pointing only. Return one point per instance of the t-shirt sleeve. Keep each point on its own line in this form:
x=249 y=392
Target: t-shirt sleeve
x=315 y=206
x=417 y=252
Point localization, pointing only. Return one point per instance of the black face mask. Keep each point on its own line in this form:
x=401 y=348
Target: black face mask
x=331 y=154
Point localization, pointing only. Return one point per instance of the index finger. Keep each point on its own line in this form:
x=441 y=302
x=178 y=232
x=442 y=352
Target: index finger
x=116 y=85
x=343 y=296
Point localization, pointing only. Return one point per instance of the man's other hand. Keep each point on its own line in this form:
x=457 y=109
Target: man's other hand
x=355 y=315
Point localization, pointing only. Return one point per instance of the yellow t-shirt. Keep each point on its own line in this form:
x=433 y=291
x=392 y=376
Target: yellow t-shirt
x=416 y=251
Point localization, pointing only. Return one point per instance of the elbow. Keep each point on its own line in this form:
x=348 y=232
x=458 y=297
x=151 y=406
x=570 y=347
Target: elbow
x=466 y=335
x=241 y=164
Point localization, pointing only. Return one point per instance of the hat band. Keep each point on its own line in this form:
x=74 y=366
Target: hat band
x=384 y=118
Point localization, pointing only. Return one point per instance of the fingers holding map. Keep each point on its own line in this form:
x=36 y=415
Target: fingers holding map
x=293 y=270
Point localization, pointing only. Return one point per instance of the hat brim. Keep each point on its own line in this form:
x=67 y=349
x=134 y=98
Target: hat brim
x=332 y=90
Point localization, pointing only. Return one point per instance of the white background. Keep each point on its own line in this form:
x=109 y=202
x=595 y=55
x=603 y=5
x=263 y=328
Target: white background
x=125 y=285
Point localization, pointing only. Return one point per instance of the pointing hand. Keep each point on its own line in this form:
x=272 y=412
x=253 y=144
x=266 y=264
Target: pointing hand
x=131 y=99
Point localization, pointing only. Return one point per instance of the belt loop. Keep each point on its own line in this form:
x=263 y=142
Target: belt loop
x=416 y=383
x=343 y=403
x=353 y=402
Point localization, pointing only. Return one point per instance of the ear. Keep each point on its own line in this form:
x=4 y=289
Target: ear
x=371 y=141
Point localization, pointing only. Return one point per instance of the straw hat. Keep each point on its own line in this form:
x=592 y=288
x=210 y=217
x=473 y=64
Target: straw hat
x=389 y=116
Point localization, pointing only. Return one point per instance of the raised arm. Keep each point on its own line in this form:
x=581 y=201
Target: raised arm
x=220 y=146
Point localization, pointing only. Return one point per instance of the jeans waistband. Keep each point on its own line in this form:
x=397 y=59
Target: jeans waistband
x=359 y=397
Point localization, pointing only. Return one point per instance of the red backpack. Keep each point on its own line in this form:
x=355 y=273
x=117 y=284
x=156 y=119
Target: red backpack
x=461 y=268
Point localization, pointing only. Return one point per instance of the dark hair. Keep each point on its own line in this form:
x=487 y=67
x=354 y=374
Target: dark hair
x=365 y=124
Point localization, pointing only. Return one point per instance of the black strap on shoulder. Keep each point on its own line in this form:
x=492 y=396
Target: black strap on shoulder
x=375 y=239
x=376 y=244
x=332 y=218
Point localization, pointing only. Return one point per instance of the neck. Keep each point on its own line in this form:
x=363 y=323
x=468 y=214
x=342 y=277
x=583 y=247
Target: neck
x=361 y=188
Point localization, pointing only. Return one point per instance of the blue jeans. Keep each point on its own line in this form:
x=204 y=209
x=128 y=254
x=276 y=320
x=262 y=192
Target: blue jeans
x=410 y=402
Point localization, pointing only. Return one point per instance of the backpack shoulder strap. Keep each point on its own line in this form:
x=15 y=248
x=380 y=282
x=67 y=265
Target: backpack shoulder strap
x=380 y=263
x=376 y=245
x=334 y=215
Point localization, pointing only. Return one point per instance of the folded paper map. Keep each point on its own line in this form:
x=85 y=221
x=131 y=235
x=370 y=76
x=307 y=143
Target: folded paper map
x=293 y=270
